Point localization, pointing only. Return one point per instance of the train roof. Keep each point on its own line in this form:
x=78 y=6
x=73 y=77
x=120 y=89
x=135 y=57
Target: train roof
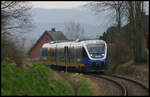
x=61 y=43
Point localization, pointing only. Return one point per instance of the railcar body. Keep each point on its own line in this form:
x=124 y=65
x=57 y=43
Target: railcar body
x=90 y=54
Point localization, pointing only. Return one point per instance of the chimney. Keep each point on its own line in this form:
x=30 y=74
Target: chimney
x=53 y=29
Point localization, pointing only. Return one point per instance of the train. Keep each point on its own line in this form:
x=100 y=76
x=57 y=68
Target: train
x=85 y=54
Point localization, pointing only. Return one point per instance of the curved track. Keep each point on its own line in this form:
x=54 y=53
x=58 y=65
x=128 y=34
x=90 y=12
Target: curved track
x=127 y=86
x=122 y=88
x=130 y=85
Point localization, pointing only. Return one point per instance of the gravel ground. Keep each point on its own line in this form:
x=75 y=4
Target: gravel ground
x=133 y=89
x=108 y=88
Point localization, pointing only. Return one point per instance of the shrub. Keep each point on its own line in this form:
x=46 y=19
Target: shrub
x=12 y=51
x=126 y=68
x=118 y=54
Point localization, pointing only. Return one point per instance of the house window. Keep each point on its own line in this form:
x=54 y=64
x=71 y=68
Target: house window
x=46 y=39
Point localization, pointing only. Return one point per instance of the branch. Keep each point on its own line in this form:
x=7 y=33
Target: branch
x=6 y=6
x=12 y=27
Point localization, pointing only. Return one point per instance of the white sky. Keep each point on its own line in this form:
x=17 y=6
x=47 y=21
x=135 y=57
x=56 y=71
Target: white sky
x=57 y=4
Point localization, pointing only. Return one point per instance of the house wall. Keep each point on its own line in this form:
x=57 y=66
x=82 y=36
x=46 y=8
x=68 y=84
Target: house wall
x=35 y=53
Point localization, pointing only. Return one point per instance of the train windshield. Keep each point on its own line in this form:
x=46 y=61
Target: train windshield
x=96 y=50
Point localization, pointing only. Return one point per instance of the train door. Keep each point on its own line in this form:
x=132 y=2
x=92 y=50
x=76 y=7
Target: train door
x=66 y=55
x=52 y=55
x=79 y=54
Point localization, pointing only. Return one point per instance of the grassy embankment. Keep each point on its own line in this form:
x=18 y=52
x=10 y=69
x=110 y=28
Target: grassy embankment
x=37 y=79
x=81 y=86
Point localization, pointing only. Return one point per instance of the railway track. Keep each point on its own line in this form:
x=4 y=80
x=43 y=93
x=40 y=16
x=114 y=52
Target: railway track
x=122 y=88
x=133 y=87
x=126 y=86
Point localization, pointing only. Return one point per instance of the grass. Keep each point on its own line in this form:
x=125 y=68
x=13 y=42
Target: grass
x=79 y=84
x=34 y=81
x=39 y=80
x=84 y=88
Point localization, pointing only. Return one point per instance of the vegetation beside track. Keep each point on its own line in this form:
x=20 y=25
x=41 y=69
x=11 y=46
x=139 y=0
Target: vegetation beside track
x=80 y=84
x=36 y=80
x=137 y=71
x=39 y=80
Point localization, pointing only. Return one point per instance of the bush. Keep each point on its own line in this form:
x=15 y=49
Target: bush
x=126 y=68
x=12 y=51
x=84 y=88
x=118 y=54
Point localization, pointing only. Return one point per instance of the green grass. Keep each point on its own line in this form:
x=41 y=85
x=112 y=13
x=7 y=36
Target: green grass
x=84 y=88
x=82 y=85
x=35 y=81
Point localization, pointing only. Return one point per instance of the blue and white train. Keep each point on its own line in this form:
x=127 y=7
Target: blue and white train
x=87 y=54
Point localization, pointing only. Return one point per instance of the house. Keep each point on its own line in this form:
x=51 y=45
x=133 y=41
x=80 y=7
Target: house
x=46 y=37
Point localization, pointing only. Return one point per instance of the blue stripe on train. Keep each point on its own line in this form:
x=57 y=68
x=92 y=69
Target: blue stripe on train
x=89 y=62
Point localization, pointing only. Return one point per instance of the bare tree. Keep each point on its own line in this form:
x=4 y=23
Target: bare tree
x=115 y=10
x=74 y=31
x=15 y=16
x=15 y=19
x=134 y=13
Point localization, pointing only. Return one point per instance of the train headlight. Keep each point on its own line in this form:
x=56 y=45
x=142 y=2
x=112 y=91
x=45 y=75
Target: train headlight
x=91 y=55
x=102 y=54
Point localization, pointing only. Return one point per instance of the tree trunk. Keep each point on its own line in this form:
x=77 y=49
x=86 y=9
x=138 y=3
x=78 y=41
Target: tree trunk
x=137 y=36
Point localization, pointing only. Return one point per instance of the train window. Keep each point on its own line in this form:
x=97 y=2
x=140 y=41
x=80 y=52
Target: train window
x=45 y=53
x=52 y=50
x=61 y=54
x=71 y=54
x=55 y=54
x=79 y=54
x=52 y=54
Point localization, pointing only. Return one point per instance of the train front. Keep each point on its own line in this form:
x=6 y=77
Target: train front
x=97 y=55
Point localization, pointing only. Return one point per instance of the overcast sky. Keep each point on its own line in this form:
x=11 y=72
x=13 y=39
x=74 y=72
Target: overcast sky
x=57 y=4
x=65 y=4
